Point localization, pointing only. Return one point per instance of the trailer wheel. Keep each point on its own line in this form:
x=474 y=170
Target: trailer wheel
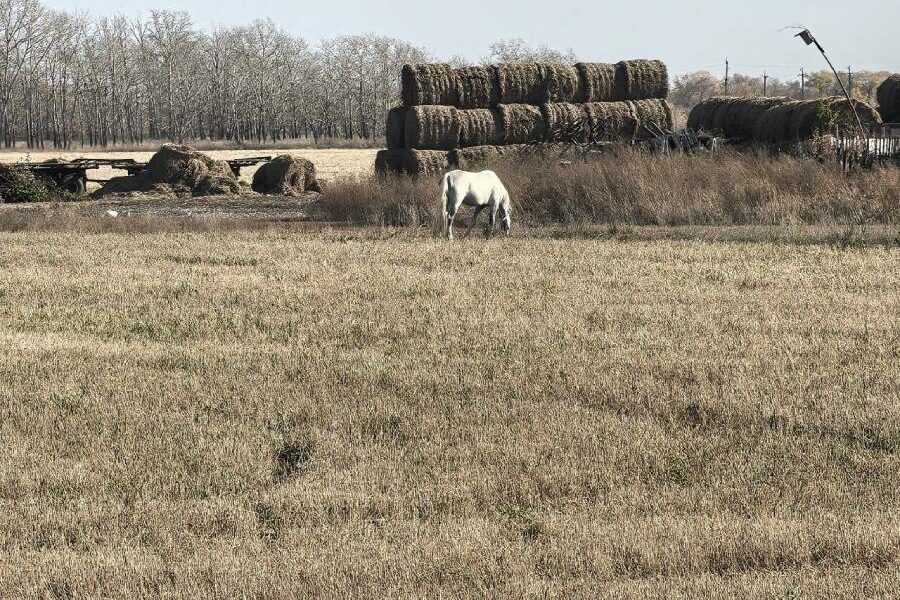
x=74 y=184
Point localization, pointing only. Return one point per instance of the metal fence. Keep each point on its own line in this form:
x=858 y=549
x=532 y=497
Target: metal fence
x=881 y=146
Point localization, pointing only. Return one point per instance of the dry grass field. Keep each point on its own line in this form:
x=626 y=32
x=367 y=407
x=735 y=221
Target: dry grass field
x=354 y=414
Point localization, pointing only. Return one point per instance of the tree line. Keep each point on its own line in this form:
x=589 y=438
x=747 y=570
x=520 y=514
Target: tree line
x=68 y=80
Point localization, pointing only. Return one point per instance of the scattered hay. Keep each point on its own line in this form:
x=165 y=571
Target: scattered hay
x=521 y=83
x=642 y=79
x=599 y=83
x=523 y=124
x=412 y=162
x=286 y=175
x=184 y=170
x=470 y=159
x=433 y=84
x=481 y=127
x=561 y=83
x=477 y=87
x=572 y=119
x=889 y=99
x=395 y=128
x=432 y=128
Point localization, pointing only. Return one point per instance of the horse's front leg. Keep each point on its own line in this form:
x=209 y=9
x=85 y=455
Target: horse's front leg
x=493 y=220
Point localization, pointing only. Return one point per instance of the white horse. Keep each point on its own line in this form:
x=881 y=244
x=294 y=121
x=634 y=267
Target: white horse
x=478 y=190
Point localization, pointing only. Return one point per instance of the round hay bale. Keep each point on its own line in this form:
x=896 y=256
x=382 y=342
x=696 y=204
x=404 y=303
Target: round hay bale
x=797 y=121
x=480 y=127
x=470 y=159
x=567 y=122
x=598 y=83
x=477 y=87
x=654 y=111
x=432 y=128
x=520 y=83
x=611 y=121
x=561 y=83
x=412 y=162
x=395 y=128
x=735 y=117
x=889 y=99
x=523 y=124
x=428 y=84
x=642 y=79
x=286 y=175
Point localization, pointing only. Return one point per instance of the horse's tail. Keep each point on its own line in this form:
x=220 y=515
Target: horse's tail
x=445 y=214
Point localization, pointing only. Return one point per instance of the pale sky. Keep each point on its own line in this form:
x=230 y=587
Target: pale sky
x=689 y=35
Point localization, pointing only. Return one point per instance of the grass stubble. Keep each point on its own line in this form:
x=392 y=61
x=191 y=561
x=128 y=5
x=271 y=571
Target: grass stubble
x=273 y=415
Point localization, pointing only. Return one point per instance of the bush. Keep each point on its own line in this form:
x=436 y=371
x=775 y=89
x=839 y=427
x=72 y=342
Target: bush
x=20 y=185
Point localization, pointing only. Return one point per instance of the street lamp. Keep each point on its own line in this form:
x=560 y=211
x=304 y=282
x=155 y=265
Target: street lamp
x=810 y=39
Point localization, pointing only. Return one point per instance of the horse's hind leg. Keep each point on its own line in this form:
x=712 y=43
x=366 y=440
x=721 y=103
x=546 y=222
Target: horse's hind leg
x=478 y=210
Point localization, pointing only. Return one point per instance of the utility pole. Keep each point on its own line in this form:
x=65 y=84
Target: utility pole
x=802 y=83
x=808 y=38
x=850 y=81
x=765 y=84
x=726 y=75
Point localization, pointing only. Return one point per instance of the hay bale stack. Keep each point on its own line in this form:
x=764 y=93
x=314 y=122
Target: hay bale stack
x=470 y=159
x=182 y=169
x=572 y=120
x=477 y=87
x=481 y=127
x=412 y=162
x=395 y=128
x=428 y=84
x=561 y=83
x=642 y=79
x=286 y=175
x=611 y=121
x=599 y=83
x=520 y=83
x=523 y=124
x=889 y=99
x=432 y=128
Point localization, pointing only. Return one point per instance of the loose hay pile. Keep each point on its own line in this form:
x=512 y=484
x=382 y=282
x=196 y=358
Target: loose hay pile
x=178 y=170
x=489 y=107
x=889 y=99
x=777 y=120
x=286 y=175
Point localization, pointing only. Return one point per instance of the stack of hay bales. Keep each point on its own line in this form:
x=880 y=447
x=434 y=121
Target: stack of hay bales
x=509 y=106
x=889 y=99
x=776 y=120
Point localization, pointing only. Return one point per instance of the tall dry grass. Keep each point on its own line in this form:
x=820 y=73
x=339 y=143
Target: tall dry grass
x=631 y=188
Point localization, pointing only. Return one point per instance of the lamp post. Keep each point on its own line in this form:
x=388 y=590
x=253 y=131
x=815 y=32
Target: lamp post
x=810 y=39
